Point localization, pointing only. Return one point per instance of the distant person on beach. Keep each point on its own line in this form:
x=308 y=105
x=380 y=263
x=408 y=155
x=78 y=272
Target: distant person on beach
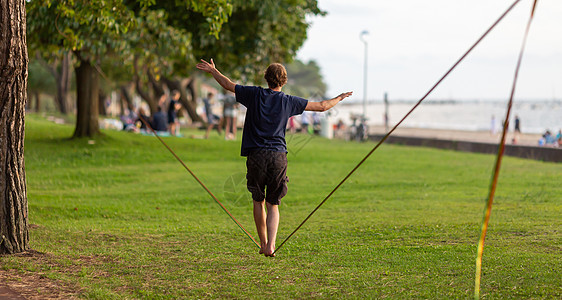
x=548 y=139
x=493 y=125
x=517 y=130
x=263 y=142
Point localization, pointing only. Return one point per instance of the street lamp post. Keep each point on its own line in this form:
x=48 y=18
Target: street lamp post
x=361 y=36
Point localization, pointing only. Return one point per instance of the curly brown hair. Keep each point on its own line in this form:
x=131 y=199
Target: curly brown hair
x=275 y=75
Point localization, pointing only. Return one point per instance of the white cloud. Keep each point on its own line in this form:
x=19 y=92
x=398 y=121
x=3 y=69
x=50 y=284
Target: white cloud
x=412 y=43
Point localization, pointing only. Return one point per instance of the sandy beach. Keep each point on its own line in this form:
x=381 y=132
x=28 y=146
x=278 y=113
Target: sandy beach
x=460 y=135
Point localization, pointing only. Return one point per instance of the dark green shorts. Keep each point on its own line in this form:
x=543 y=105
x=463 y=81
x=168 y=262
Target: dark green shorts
x=267 y=175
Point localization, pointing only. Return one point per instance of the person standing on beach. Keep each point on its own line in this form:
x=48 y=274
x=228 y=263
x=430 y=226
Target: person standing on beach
x=263 y=142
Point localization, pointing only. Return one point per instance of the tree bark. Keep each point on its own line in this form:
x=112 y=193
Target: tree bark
x=152 y=103
x=101 y=102
x=156 y=85
x=145 y=95
x=126 y=96
x=191 y=87
x=64 y=82
x=14 y=235
x=87 y=89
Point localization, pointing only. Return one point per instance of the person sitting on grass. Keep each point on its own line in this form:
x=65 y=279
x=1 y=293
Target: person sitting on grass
x=263 y=142
x=160 y=121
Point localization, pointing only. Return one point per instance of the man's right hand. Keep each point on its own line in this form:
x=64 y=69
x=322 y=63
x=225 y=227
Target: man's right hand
x=205 y=66
x=224 y=81
x=344 y=95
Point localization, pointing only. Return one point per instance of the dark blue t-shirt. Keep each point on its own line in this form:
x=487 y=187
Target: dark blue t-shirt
x=160 y=121
x=266 y=117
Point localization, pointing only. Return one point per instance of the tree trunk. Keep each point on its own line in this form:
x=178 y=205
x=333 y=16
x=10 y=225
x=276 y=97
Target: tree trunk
x=190 y=106
x=14 y=235
x=193 y=99
x=144 y=94
x=101 y=102
x=156 y=85
x=125 y=95
x=64 y=82
x=87 y=88
x=152 y=103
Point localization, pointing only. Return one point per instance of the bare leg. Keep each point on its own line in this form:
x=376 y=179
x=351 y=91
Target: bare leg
x=219 y=126
x=272 y=225
x=209 y=128
x=260 y=220
x=227 y=128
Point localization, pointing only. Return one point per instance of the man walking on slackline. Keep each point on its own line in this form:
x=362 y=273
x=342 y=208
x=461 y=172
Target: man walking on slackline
x=263 y=142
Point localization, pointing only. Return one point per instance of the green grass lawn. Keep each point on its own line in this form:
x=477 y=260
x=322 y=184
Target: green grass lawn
x=121 y=218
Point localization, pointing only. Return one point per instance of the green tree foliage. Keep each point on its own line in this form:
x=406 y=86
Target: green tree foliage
x=39 y=79
x=166 y=37
x=305 y=80
x=257 y=33
x=96 y=31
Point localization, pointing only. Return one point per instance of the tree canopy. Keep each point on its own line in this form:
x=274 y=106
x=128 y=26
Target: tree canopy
x=257 y=34
x=167 y=37
x=305 y=80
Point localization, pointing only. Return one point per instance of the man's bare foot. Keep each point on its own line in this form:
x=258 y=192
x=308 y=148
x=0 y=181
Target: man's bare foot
x=262 y=248
x=269 y=252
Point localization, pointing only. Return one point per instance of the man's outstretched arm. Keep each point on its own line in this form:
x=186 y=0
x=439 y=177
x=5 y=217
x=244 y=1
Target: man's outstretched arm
x=224 y=81
x=326 y=104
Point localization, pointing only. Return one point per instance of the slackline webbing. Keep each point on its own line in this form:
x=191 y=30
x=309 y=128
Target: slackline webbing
x=496 y=171
x=397 y=124
x=199 y=181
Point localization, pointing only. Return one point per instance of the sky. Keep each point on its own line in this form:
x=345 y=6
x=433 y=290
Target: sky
x=412 y=43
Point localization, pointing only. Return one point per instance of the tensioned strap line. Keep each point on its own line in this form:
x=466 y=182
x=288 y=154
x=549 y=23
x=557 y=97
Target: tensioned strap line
x=397 y=124
x=199 y=181
x=496 y=171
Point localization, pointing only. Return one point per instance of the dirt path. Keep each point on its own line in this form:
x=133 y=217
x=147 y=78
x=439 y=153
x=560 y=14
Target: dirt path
x=17 y=286
x=8 y=294
x=26 y=285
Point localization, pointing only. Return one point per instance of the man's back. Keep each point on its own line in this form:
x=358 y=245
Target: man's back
x=266 y=117
x=268 y=111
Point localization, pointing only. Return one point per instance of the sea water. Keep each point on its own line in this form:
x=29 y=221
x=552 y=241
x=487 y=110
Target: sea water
x=534 y=116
